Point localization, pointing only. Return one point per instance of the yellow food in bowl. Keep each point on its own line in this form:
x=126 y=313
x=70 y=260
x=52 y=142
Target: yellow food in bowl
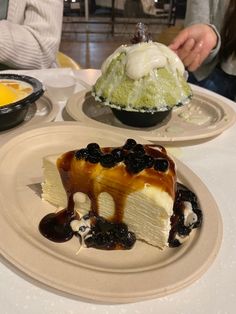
x=7 y=95
x=11 y=91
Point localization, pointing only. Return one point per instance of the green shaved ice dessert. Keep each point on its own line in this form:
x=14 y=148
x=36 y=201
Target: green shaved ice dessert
x=144 y=77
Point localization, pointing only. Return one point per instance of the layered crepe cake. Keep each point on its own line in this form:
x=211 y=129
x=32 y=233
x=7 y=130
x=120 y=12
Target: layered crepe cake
x=112 y=196
x=145 y=77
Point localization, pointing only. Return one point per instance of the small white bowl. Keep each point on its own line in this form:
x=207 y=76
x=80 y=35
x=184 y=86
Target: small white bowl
x=60 y=88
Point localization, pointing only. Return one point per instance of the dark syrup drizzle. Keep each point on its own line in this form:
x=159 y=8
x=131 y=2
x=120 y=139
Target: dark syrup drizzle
x=56 y=227
x=183 y=194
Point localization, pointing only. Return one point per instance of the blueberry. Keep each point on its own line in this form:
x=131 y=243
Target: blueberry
x=104 y=241
x=129 y=158
x=195 y=205
x=183 y=231
x=111 y=242
x=136 y=165
x=94 y=153
x=98 y=222
x=174 y=243
x=129 y=241
x=161 y=164
x=102 y=225
x=100 y=240
x=118 y=154
x=129 y=144
x=89 y=242
x=139 y=149
x=187 y=195
x=92 y=147
x=184 y=194
x=149 y=161
x=108 y=161
x=93 y=159
x=81 y=154
x=120 y=230
x=109 y=235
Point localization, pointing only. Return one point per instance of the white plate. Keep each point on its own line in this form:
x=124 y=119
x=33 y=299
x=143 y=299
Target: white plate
x=141 y=273
x=43 y=110
x=204 y=118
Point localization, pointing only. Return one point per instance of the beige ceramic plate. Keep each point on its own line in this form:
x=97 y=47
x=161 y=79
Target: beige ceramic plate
x=110 y=276
x=43 y=110
x=205 y=117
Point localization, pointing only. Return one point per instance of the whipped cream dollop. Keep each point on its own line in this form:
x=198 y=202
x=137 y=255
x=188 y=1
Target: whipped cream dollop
x=82 y=227
x=144 y=57
x=190 y=218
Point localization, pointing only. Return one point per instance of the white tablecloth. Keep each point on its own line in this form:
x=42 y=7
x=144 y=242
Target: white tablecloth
x=215 y=292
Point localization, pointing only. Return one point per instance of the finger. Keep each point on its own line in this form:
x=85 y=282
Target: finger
x=179 y=40
x=189 y=59
x=205 y=51
x=186 y=49
x=195 y=64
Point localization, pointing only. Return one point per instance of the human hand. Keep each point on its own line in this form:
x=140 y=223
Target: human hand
x=193 y=45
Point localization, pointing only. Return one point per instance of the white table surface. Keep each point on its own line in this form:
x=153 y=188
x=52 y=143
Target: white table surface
x=214 y=293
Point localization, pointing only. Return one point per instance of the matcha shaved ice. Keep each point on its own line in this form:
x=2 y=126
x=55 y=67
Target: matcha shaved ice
x=144 y=77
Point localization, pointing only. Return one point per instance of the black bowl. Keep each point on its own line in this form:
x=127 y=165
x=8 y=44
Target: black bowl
x=13 y=114
x=141 y=119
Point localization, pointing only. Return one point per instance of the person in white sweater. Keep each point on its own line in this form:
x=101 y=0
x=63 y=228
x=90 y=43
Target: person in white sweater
x=30 y=33
x=207 y=45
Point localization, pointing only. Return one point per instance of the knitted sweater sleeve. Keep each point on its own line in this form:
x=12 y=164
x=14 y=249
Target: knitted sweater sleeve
x=202 y=12
x=30 y=37
x=198 y=12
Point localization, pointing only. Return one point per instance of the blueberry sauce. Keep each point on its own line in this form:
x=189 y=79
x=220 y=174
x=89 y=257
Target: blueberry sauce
x=178 y=228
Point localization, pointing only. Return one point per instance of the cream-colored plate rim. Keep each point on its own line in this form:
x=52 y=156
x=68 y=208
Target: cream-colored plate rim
x=186 y=134
x=55 y=265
